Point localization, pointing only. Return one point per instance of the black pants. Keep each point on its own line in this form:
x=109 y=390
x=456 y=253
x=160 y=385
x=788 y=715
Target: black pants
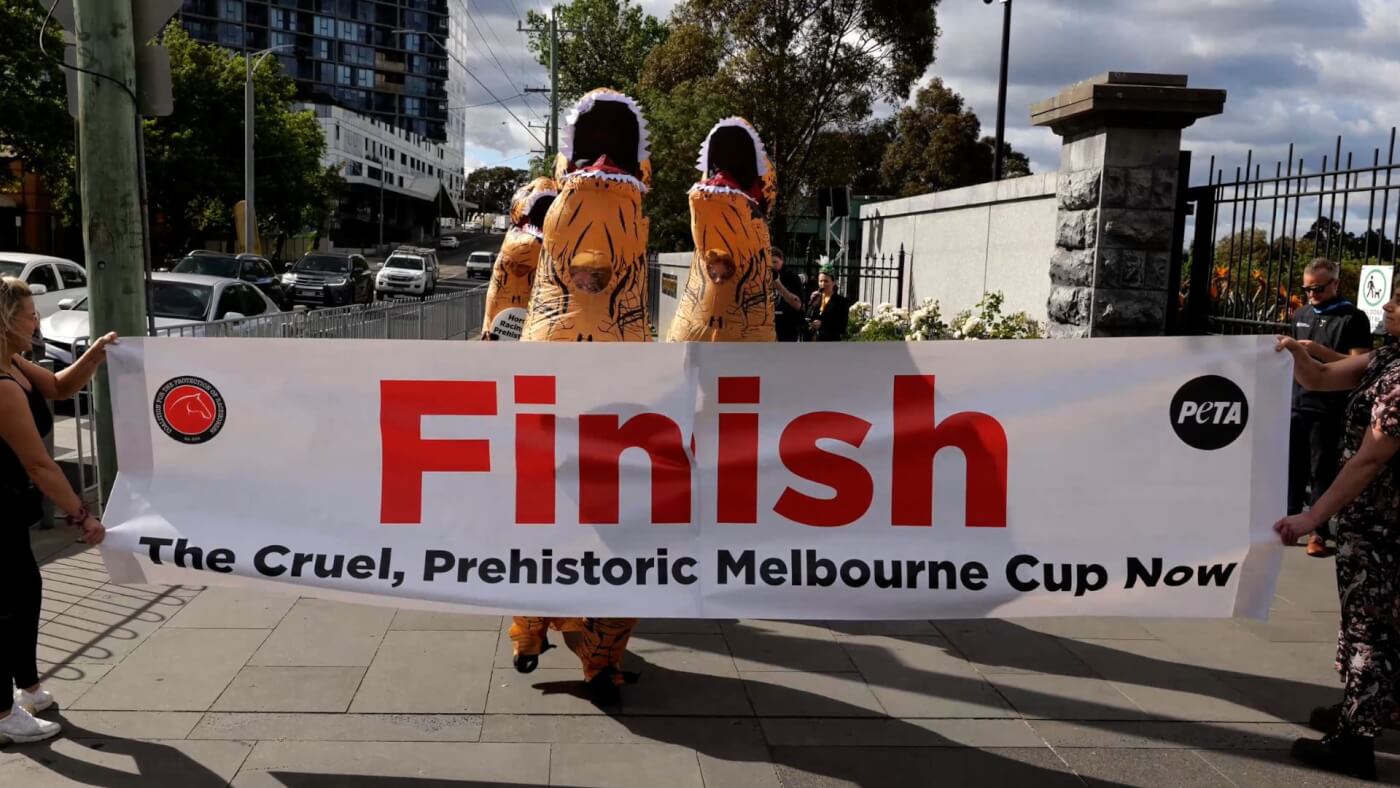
x=787 y=329
x=21 y=591
x=1314 y=458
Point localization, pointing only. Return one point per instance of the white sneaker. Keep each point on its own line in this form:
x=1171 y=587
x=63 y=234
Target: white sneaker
x=33 y=702
x=21 y=727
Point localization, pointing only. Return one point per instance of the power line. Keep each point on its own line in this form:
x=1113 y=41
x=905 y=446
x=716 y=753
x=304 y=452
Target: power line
x=492 y=52
x=489 y=92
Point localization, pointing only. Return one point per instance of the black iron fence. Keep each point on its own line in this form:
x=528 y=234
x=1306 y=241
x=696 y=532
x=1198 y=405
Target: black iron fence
x=1256 y=232
x=875 y=279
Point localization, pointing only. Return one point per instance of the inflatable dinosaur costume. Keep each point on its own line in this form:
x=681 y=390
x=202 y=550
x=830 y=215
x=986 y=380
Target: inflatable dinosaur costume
x=513 y=276
x=591 y=287
x=728 y=297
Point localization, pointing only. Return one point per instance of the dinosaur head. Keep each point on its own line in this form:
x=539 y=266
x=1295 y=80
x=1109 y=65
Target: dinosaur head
x=733 y=160
x=605 y=136
x=530 y=204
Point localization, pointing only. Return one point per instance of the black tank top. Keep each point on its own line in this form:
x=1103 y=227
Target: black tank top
x=17 y=493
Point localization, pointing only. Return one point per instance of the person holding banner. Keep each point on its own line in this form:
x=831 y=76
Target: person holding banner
x=27 y=475
x=1364 y=499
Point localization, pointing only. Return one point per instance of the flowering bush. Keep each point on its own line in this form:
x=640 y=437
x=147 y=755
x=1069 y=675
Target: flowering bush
x=886 y=323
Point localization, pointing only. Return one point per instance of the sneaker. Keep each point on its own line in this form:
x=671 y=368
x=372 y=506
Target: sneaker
x=33 y=702
x=1351 y=755
x=21 y=727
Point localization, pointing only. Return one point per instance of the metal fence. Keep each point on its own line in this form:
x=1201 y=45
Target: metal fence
x=875 y=279
x=1255 y=232
x=455 y=315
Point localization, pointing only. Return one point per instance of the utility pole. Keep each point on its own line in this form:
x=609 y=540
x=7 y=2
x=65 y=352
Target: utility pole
x=998 y=163
x=108 y=125
x=553 y=31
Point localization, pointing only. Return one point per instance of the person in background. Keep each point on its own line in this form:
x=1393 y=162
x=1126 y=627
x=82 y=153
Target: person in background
x=27 y=475
x=1330 y=328
x=787 y=304
x=828 y=310
x=1364 y=499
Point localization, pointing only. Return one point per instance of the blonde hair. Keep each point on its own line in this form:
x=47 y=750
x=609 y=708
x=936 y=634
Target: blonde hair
x=13 y=292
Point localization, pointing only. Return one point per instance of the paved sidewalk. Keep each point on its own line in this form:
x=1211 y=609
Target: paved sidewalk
x=193 y=688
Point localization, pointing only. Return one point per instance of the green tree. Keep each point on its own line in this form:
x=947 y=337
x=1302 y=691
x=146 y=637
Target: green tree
x=1014 y=164
x=492 y=187
x=609 y=41
x=34 y=122
x=937 y=146
x=194 y=157
x=797 y=69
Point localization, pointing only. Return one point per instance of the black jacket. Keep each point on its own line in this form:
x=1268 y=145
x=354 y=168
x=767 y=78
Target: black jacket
x=833 y=328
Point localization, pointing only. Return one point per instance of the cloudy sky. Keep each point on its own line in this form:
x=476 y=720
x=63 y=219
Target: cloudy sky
x=1296 y=71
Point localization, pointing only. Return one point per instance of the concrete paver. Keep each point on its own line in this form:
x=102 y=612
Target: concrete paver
x=203 y=686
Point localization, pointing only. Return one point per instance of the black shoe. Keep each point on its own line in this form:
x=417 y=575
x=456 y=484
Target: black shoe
x=602 y=690
x=526 y=663
x=1324 y=719
x=1350 y=755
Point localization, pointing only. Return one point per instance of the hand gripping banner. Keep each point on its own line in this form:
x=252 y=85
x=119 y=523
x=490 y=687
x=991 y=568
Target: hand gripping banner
x=1132 y=477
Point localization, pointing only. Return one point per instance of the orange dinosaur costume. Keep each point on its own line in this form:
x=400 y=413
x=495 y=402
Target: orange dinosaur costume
x=591 y=287
x=728 y=296
x=513 y=276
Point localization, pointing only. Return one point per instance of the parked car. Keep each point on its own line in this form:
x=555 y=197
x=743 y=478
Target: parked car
x=176 y=299
x=50 y=278
x=330 y=279
x=480 y=263
x=408 y=271
x=449 y=242
x=254 y=270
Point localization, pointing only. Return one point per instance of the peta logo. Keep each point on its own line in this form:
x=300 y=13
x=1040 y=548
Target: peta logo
x=1209 y=413
x=189 y=409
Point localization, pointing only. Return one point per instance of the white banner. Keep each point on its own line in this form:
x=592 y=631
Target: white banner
x=1373 y=292
x=821 y=481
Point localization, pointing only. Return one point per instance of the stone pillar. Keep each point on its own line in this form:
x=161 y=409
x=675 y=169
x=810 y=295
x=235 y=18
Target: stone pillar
x=1117 y=199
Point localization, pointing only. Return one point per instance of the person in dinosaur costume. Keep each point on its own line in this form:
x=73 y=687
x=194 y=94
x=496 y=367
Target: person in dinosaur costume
x=728 y=296
x=513 y=277
x=591 y=287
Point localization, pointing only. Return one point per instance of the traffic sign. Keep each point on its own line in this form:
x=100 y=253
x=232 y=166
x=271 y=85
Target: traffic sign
x=153 y=85
x=1374 y=292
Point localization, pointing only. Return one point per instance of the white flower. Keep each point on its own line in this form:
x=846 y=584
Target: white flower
x=971 y=324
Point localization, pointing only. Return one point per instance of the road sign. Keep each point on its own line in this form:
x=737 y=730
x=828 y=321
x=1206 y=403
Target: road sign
x=153 y=86
x=1374 y=291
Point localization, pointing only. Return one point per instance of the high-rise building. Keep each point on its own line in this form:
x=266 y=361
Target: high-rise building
x=377 y=67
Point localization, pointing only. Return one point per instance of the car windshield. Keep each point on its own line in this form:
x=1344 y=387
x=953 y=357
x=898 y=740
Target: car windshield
x=177 y=300
x=409 y=263
x=11 y=268
x=481 y=257
x=209 y=265
x=323 y=263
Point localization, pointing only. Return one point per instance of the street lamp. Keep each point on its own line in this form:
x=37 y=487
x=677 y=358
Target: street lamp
x=998 y=164
x=250 y=224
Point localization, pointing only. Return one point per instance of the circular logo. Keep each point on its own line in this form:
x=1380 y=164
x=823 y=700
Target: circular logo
x=1209 y=413
x=1373 y=290
x=189 y=409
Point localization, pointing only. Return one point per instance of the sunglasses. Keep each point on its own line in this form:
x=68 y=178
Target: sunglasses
x=1316 y=288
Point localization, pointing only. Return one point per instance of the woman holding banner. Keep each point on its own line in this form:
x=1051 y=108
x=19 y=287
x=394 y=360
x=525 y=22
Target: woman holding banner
x=27 y=475
x=1364 y=499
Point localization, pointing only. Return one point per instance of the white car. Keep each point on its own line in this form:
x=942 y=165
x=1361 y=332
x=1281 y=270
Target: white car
x=480 y=263
x=50 y=278
x=176 y=299
x=409 y=274
x=449 y=242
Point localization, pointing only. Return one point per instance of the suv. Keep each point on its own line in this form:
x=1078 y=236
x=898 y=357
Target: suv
x=48 y=277
x=480 y=263
x=330 y=279
x=250 y=268
x=409 y=270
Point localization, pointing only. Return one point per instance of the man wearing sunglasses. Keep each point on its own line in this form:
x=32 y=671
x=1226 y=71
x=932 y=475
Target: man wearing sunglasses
x=1331 y=328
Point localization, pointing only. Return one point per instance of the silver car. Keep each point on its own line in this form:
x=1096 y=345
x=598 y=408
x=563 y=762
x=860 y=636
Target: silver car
x=50 y=278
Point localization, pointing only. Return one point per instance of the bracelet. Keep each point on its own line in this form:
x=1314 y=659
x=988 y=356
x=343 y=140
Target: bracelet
x=80 y=518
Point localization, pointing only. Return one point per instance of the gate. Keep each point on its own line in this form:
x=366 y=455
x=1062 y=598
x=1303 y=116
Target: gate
x=1256 y=232
x=875 y=279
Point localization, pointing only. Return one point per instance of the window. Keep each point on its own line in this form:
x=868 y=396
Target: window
x=283 y=40
x=230 y=34
x=364 y=77
x=342 y=75
x=73 y=276
x=277 y=19
x=350 y=31
x=230 y=300
x=253 y=303
x=400 y=181
x=231 y=10
x=322 y=49
x=43 y=275
x=325 y=27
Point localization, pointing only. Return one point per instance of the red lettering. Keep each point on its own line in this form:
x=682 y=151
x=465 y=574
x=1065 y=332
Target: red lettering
x=737 y=475
x=798 y=449
x=406 y=456
x=534 y=452
x=917 y=438
x=601 y=444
